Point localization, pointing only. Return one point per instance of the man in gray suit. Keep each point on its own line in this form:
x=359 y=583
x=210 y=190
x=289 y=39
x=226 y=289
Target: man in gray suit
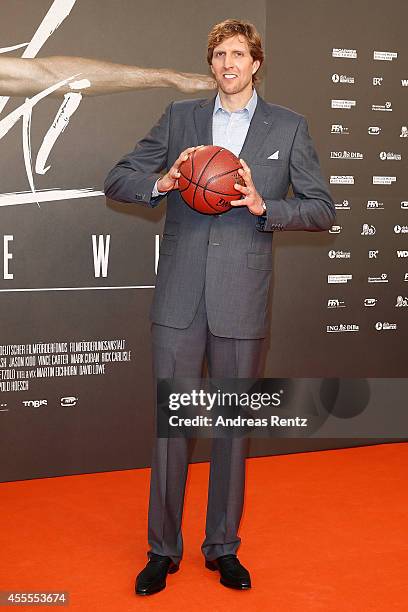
x=214 y=272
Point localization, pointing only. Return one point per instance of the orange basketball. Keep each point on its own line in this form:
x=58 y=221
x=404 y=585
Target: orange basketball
x=207 y=180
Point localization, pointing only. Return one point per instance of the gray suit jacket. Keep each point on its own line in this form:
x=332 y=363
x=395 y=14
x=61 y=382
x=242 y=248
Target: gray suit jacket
x=229 y=254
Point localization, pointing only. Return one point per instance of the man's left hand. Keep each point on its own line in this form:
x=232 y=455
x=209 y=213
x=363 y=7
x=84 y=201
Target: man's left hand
x=252 y=200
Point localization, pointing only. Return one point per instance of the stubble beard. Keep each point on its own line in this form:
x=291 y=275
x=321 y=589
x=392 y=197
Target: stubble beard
x=235 y=90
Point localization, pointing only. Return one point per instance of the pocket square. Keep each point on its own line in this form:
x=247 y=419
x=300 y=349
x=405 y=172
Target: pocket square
x=274 y=155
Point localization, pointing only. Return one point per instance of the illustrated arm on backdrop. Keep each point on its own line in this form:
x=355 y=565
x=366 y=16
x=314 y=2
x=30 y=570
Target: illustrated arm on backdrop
x=27 y=77
x=311 y=209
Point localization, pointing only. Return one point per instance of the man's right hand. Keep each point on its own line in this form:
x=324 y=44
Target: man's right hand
x=169 y=181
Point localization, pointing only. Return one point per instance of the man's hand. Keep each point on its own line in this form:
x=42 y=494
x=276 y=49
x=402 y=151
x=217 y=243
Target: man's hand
x=169 y=181
x=251 y=198
x=191 y=82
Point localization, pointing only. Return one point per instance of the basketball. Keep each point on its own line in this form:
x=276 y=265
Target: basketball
x=207 y=180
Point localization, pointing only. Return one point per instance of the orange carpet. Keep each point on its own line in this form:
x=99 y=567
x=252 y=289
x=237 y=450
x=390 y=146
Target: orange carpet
x=321 y=531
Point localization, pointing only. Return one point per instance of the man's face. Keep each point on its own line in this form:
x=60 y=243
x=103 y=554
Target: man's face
x=232 y=65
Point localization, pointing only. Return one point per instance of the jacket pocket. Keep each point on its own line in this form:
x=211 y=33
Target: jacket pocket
x=171 y=228
x=260 y=261
x=167 y=246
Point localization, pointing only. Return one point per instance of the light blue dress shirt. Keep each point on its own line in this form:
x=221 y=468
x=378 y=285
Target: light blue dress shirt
x=229 y=129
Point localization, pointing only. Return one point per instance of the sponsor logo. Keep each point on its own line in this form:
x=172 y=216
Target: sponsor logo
x=374 y=130
x=335 y=229
x=339 y=254
x=375 y=205
x=404 y=204
x=400 y=229
x=335 y=303
x=339 y=278
x=342 y=78
x=402 y=253
x=404 y=131
x=369 y=302
x=348 y=53
x=385 y=56
x=342 y=180
x=337 y=128
x=342 y=327
x=367 y=230
x=390 y=156
x=406 y=277
x=346 y=155
x=345 y=104
x=68 y=401
x=380 y=326
x=404 y=82
x=35 y=403
x=377 y=81
x=344 y=205
x=383 y=278
x=384 y=180
x=387 y=107
x=402 y=302
x=373 y=254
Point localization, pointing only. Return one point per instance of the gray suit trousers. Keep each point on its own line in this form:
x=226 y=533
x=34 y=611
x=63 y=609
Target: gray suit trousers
x=180 y=353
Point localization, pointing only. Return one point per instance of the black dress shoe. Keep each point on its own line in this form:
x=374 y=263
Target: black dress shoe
x=233 y=574
x=152 y=578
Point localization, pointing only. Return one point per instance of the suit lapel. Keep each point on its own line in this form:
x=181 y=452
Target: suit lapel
x=259 y=128
x=203 y=114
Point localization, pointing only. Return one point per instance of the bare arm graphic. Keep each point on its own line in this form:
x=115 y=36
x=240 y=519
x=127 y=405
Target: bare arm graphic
x=27 y=77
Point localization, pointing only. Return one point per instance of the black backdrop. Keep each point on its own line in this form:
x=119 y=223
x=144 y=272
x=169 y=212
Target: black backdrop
x=54 y=296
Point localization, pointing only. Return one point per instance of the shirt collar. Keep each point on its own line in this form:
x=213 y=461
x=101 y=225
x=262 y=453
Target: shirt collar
x=250 y=105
